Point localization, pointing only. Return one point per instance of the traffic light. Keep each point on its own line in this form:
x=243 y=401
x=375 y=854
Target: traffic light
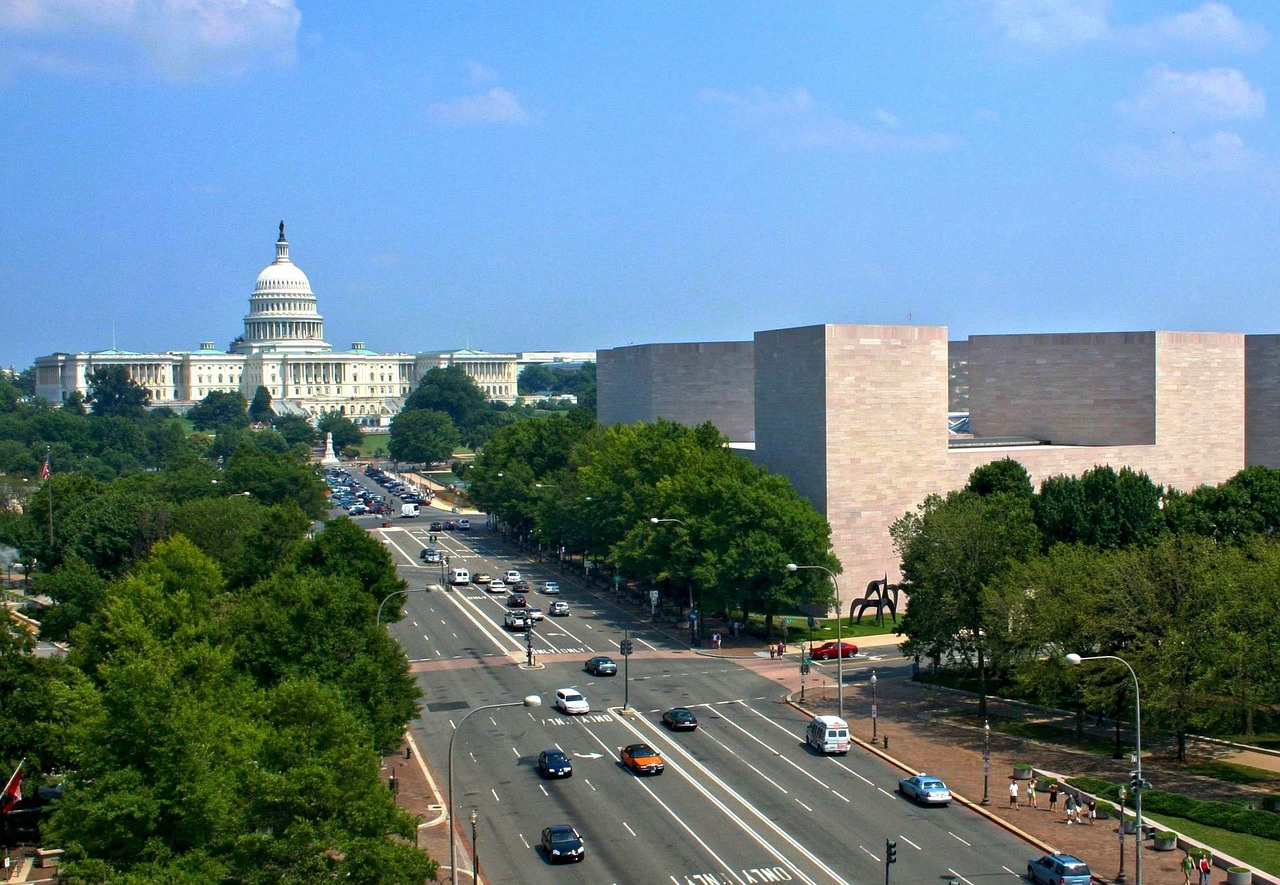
x=890 y=852
x=625 y=647
x=1135 y=780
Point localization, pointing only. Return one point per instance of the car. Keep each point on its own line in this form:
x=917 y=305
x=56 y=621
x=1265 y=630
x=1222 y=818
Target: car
x=357 y=510
x=511 y=576
x=831 y=650
x=551 y=588
x=496 y=586
x=517 y=621
x=602 y=665
x=533 y=613
x=562 y=844
x=523 y=586
x=554 y=763
x=642 y=759
x=570 y=700
x=1059 y=869
x=482 y=578
x=515 y=600
x=680 y=719
x=450 y=525
x=925 y=789
x=558 y=609
x=464 y=525
x=436 y=527
x=433 y=556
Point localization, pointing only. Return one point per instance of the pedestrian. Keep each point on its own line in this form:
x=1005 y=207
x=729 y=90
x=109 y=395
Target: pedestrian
x=1053 y=797
x=1071 y=808
x=773 y=651
x=1093 y=810
x=1013 y=794
x=1206 y=869
x=1188 y=867
x=1031 y=794
x=715 y=640
x=782 y=649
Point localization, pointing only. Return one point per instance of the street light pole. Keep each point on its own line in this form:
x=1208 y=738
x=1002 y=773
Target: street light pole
x=378 y=622
x=986 y=761
x=475 y=849
x=792 y=567
x=693 y=620
x=1076 y=660
x=530 y=701
x=873 y=706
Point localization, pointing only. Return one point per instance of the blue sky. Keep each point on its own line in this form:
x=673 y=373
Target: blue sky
x=513 y=176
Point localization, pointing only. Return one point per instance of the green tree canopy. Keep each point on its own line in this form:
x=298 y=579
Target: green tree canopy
x=113 y=392
x=260 y=409
x=345 y=433
x=219 y=410
x=422 y=436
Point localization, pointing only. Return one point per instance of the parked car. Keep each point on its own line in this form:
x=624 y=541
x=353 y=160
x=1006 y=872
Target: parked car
x=551 y=588
x=642 y=759
x=1059 y=869
x=680 y=719
x=602 y=665
x=562 y=844
x=554 y=763
x=558 y=609
x=925 y=789
x=569 y=700
x=829 y=651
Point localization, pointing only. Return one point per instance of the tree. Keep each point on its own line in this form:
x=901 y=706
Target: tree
x=113 y=392
x=1005 y=476
x=219 y=410
x=296 y=430
x=260 y=409
x=422 y=436
x=535 y=378
x=345 y=433
x=273 y=477
x=1101 y=508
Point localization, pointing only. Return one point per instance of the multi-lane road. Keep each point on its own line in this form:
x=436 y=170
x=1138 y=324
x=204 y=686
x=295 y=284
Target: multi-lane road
x=742 y=800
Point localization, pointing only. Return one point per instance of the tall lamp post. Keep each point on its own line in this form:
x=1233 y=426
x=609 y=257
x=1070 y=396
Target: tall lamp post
x=986 y=761
x=378 y=622
x=792 y=567
x=1076 y=660
x=475 y=849
x=693 y=620
x=873 y=706
x=530 y=701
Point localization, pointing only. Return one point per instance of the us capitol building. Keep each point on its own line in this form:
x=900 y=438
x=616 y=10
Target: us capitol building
x=282 y=349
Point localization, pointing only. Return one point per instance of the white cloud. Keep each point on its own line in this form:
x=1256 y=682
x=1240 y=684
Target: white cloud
x=495 y=106
x=1210 y=25
x=480 y=74
x=1166 y=97
x=1177 y=157
x=888 y=118
x=1050 y=24
x=175 y=39
x=795 y=120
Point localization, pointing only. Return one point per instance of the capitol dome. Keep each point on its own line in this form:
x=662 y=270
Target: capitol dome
x=282 y=310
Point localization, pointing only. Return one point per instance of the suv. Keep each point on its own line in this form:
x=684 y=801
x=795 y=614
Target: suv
x=464 y=525
x=517 y=621
x=1059 y=869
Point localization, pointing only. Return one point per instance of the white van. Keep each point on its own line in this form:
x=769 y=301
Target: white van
x=828 y=734
x=408 y=511
x=460 y=576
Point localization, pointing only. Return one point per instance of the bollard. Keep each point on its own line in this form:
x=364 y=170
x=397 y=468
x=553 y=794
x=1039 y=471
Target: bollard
x=886 y=742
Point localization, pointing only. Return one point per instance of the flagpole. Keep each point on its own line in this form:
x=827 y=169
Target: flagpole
x=48 y=476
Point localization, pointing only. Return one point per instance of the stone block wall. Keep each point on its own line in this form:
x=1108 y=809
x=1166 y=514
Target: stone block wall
x=1262 y=400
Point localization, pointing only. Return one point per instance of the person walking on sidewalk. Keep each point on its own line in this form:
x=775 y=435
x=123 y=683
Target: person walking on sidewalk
x=1053 y=797
x=1093 y=810
x=1071 y=808
x=1188 y=867
x=1206 y=869
x=1013 y=794
x=1031 y=794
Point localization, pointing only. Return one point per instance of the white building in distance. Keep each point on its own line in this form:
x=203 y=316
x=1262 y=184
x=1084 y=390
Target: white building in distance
x=283 y=349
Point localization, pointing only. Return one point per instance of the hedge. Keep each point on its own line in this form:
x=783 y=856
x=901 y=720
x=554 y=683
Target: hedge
x=1223 y=815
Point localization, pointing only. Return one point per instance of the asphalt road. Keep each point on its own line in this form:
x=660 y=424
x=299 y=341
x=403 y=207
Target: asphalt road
x=742 y=799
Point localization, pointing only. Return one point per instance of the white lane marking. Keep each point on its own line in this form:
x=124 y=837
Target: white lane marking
x=1010 y=872
x=628 y=826
x=524 y=840
x=960 y=877
x=817 y=780
x=909 y=842
x=869 y=854
x=805 y=807
x=747 y=805
x=495 y=795
x=839 y=796
x=957 y=838
x=886 y=792
x=543 y=788
x=711 y=737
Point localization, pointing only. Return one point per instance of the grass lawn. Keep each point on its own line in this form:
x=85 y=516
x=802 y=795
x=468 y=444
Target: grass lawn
x=823 y=631
x=371 y=442
x=1233 y=773
x=1261 y=853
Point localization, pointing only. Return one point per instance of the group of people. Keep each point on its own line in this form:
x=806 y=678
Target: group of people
x=1203 y=866
x=1077 y=809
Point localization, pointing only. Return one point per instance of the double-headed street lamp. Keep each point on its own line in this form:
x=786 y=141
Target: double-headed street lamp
x=792 y=567
x=1076 y=660
x=873 y=706
x=986 y=761
x=378 y=622
x=530 y=701
x=693 y=613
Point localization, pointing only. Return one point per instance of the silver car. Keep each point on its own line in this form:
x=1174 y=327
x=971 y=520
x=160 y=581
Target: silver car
x=925 y=789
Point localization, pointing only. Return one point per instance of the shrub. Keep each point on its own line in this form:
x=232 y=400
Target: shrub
x=1223 y=815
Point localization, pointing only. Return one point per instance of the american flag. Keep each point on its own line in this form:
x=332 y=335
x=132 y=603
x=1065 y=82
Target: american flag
x=12 y=794
x=44 y=468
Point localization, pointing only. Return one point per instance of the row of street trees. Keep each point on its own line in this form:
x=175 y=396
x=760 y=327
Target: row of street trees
x=1005 y=581
x=595 y=490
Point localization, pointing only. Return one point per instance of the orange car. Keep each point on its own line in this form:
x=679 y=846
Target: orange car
x=642 y=759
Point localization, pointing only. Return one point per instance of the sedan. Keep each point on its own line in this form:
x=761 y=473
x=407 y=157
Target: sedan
x=558 y=609
x=1059 y=869
x=642 y=759
x=551 y=588
x=602 y=665
x=553 y=763
x=830 y=650
x=482 y=578
x=511 y=576
x=925 y=788
x=680 y=719
x=436 y=527
x=515 y=600
x=569 y=700
x=562 y=844
x=495 y=586
x=533 y=613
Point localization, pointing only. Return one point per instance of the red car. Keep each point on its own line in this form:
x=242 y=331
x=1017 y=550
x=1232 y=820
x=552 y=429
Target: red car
x=828 y=651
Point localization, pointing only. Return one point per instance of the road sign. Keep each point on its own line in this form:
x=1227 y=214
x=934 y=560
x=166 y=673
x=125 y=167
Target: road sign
x=813 y=622
x=653 y=597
